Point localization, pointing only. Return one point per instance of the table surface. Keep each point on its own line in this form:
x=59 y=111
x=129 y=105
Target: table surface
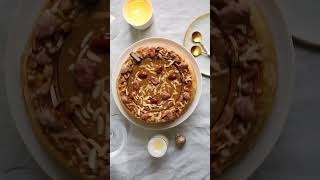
x=294 y=156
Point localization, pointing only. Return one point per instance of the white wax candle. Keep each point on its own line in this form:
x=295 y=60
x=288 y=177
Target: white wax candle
x=138 y=13
x=157 y=146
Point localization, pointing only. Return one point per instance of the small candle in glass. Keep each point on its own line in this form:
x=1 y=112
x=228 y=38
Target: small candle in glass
x=138 y=13
x=157 y=146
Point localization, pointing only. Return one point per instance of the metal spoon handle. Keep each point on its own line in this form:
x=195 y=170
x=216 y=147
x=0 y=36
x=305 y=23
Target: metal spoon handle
x=204 y=48
x=205 y=53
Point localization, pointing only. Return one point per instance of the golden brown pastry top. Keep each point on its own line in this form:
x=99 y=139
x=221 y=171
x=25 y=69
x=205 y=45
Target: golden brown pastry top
x=241 y=95
x=156 y=85
x=65 y=84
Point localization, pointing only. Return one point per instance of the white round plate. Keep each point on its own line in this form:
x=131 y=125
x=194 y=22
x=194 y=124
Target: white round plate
x=302 y=17
x=183 y=52
x=285 y=64
x=18 y=34
x=201 y=24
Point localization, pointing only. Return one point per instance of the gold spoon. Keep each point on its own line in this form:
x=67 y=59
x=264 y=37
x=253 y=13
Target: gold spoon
x=197 y=51
x=197 y=38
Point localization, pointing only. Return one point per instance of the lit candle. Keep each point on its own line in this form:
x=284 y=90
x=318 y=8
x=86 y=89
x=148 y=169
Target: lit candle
x=157 y=146
x=138 y=13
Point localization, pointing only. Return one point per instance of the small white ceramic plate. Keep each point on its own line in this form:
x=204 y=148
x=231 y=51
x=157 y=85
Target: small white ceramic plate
x=183 y=52
x=201 y=24
x=285 y=64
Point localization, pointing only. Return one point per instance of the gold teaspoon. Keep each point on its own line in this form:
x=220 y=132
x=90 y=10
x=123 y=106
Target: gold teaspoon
x=197 y=38
x=197 y=51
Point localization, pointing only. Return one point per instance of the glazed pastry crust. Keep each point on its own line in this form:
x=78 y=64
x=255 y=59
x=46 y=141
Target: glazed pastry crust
x=248 y=103
x=63 y=137
x=159 y=88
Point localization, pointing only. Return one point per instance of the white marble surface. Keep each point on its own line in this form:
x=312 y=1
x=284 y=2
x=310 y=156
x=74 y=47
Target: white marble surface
x=295 y=156
x=171 y=19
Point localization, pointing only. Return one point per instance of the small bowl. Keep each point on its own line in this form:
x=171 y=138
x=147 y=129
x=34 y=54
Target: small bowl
x=139 y=27
x=179 y=49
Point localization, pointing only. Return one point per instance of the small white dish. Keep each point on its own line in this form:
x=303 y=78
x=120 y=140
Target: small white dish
x=143 y=26
x=179 y=49
x=201 y=24
x=158 y=145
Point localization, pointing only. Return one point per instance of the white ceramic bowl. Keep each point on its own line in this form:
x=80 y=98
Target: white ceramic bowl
x=139 y=27
x=285 y=64
x=179 y=49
